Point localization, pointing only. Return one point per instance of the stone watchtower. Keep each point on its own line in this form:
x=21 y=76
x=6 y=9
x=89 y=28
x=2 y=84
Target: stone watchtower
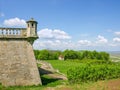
x=31 y=28
x=17 y=60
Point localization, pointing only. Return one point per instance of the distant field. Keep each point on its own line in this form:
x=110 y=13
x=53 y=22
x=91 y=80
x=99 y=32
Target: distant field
x=115 y=56
x=115 y=53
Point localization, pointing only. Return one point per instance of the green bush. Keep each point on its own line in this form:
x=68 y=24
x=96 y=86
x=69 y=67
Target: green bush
x=46 y=54
x=93 y=73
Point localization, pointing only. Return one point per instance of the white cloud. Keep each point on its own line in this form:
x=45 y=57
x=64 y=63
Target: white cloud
x=56 y=40
x=113 y=44
x=15 y=22
x=50 y=44
x=62 y=44
x=84 y=42
x=45 y=33
x=53 y=34
x=101 y=39
x=58 y=34
x=52 y=39
x=117 y=33
x=116 y=39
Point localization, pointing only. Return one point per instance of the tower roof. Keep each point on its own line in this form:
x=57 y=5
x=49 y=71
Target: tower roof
x=32 y=20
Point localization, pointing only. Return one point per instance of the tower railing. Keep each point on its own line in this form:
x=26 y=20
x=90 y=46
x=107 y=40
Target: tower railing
x=13 y=32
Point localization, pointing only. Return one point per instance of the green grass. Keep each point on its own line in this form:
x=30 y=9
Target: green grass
x=63 y=66
x=39 y=87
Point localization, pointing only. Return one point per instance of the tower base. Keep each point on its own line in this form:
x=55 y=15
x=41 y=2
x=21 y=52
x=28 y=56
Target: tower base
x=17 y=63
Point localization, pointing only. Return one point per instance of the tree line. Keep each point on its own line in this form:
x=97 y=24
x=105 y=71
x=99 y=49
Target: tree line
x=70 y=54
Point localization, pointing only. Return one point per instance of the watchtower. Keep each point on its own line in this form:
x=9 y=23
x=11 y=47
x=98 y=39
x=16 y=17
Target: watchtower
x=31 y=28
x=17 y=60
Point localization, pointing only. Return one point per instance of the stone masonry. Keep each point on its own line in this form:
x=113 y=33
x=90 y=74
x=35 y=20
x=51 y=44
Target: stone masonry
x=17 y=61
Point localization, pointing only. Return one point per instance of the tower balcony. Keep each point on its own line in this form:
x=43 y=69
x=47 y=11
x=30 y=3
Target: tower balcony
x=13 y=33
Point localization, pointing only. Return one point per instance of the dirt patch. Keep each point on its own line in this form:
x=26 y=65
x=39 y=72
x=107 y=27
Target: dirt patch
x=58 y=88
x=107 y=85
x=64 y=88
x=113 y=85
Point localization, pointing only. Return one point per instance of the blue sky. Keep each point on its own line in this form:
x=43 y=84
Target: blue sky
x=67 y=24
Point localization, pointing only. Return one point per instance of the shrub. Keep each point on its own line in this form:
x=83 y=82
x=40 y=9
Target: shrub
x=93 y=73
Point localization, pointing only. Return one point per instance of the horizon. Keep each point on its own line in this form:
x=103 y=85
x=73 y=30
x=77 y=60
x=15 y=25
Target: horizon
x=67 y=24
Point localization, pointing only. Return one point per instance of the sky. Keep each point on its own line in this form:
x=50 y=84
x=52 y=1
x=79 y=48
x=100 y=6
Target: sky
x=67 y=24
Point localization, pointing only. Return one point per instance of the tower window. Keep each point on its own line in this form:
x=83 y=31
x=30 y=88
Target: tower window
x=28 y=25
x=32 y=24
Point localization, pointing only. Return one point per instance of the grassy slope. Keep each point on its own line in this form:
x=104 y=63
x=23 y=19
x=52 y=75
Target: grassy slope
x=63 y=66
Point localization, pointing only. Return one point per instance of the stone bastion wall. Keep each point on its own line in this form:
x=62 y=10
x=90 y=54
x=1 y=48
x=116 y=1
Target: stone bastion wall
x=17 y=63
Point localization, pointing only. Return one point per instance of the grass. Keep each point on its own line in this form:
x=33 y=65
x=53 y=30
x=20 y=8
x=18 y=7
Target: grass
x=39 y=87
x=63 y=66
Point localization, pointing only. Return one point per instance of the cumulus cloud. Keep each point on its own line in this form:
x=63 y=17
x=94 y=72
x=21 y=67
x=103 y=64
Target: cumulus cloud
x=60 y=40
x=52 y=39
x=53 y=44
x=84 y=42
x=53 y=34
x=15 y=22
x=116 y=39
x=101 y=39
x=45 y=33
x=117 y=33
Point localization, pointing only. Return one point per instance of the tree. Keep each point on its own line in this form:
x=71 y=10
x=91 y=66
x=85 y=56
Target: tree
x=70 y=54
x=43 y=55
x=36 y=53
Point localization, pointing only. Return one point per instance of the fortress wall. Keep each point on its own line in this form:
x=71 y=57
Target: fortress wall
x=17 y=63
